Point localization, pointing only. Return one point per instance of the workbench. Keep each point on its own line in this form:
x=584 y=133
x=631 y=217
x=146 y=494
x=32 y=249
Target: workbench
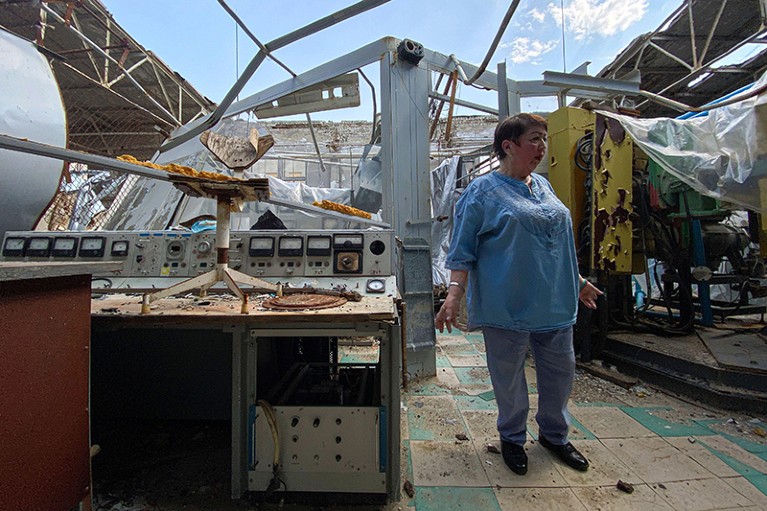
x=260 y=340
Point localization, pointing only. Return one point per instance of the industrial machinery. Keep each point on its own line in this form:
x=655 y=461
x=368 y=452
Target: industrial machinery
x=359 y=260
x=655 y=244
x=305 y=418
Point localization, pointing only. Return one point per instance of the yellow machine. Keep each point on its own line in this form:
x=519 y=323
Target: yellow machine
x=649 y=240
x=591 y=168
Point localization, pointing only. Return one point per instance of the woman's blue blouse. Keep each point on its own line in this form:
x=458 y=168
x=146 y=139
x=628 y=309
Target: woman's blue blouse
x=519 y=250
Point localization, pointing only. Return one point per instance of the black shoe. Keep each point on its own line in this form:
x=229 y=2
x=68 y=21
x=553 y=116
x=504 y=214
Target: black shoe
x=567 y=453
x=515 y=457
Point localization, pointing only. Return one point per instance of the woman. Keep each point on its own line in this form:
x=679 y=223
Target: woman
x=513 y=250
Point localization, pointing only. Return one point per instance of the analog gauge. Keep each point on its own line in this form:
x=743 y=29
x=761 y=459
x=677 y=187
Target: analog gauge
x=261 y=246
x=39 y=247
x=204 y=247
x=348 y=240
x=291 y=246
x=92 y=246
x=120 y=248
x=318 y=245
x=376 y=286
x=64 y=247
x=14 y=247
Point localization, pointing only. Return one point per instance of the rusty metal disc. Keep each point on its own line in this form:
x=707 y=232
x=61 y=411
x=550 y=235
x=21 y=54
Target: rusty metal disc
x=303 y=301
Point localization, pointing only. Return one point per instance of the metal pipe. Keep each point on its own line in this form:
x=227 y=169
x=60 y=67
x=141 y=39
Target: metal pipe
x=705 y=108
x=92 y=160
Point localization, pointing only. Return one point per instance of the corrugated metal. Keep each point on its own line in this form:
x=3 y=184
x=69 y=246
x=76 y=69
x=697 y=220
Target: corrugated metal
x=739 y=21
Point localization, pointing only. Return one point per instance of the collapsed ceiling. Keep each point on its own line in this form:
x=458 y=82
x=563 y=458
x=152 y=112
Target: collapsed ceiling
x=119 y=97
x=692 y=57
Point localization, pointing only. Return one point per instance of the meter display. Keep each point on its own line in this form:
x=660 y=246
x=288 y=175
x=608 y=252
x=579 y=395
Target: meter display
x=348 y=241
x=14 y=247
x=318 y=245
x=291 y=246
x=39 y=247
x=64 y=247
x=120 y=248
x=92 y=246
x=261 y=246
x=376 y=286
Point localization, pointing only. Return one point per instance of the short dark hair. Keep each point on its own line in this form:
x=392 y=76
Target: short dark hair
x=514 y=127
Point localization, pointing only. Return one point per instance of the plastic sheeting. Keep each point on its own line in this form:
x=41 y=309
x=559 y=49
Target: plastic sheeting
x=278 y=189
x=722 y=155
x=155 y=204
x=443 y=198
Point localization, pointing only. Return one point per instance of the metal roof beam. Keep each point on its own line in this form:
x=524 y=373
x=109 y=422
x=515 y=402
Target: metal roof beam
x=321 y=24
x=98 y=49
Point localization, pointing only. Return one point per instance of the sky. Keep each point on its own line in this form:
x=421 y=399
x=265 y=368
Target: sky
x=199 y=40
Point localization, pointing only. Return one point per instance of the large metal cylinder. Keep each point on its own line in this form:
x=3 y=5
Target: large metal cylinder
x=31 y=107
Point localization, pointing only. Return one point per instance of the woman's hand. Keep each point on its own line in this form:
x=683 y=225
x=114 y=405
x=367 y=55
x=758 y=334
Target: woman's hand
x=589 y=294
x=448 y=313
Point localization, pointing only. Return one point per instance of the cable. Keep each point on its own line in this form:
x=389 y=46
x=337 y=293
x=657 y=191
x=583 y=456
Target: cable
x=584 y=153
x=375 y=107
x=494 y=44
x=271 y=418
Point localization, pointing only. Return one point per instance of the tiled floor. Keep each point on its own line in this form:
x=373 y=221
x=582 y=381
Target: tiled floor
x=672 y=465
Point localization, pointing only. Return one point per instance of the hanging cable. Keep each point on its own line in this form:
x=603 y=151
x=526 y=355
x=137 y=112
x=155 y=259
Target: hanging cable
x=494 y=44
x=375 y=106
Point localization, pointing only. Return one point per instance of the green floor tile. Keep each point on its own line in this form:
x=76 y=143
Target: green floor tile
x=760 y=481
x=431 y=498
x=470 y=375
x=442 y=360
x=476 y=402
x=487 y=396
x=579 y=432
x=752 y=447
x=663 y=427
x=738 y=466
x=476 y=338
x=417 y=425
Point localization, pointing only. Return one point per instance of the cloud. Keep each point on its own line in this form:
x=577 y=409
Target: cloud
x=537 y=15
x=583 y=18
x=524 y=49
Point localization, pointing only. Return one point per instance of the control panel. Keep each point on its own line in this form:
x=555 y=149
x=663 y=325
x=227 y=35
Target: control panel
x=149 y=254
